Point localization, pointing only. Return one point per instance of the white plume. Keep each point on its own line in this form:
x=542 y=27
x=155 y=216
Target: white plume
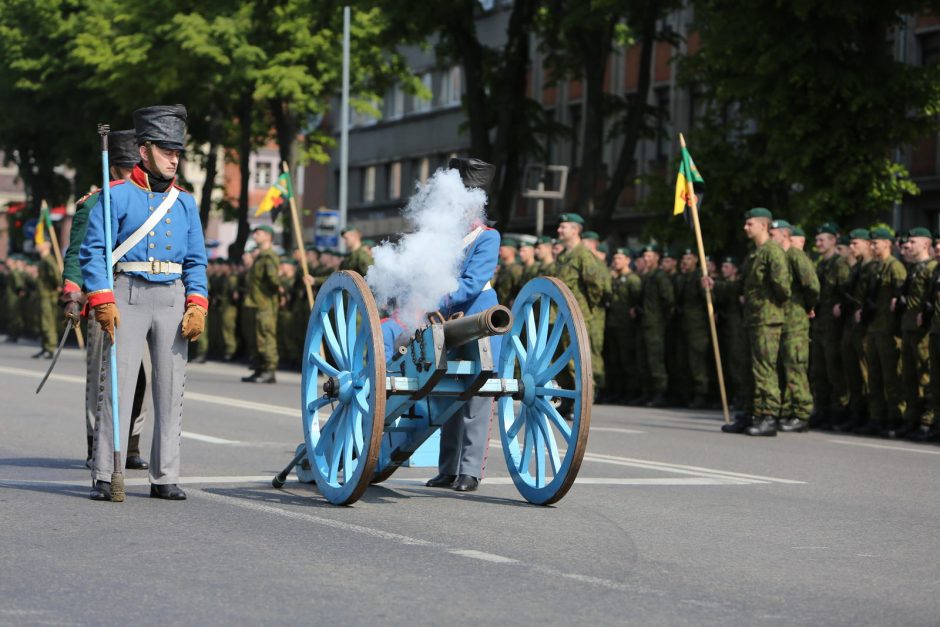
x=414 y=274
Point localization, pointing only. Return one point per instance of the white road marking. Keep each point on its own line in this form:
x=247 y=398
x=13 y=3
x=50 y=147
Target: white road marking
x=24 y=372
x=241 y=404
x=398 y=538
x=637 y=481
x=904 y=449
x=211 y=439
x=480 y=555
x=143 y=481
x=616 y=430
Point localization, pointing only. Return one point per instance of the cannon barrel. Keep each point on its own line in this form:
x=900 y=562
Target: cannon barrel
x=496 y=320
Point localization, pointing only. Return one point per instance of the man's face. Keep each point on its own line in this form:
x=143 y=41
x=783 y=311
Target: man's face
x=797 y=241
x=668 y=264
x=754 y=227
x=936 y=248
x=711 y=267
x=568 y=231
x=558 y=248
x=164 y=162
x=260 y=237
x=527 y=254
x=689 y=262
x=543 y=252
x=507 y=254
x=860 y=247
x=881 y=247
x=779 y=235
x=313 y=259
x=352 y=239
x=650 y=259
x=590 y=244
x=640 y=263
x=728 y=271
x=620 y=262
x=825 y=242
x=907 y=250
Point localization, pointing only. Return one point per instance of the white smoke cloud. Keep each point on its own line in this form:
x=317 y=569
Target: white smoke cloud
x=414 y=274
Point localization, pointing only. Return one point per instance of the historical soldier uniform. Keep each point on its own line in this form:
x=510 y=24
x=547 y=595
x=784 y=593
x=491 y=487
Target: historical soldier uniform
x=122 y=154
x=160 y=295
x=263 y=299
x=797 y=403
x=832 y=398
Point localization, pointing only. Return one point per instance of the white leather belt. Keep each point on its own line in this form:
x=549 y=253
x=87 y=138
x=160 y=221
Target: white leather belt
x=487 y=287
x=150 y=267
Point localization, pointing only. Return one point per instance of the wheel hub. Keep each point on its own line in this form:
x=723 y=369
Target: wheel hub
x=528 y=389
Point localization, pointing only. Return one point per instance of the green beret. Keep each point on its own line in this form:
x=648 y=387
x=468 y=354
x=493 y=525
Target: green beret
x=668 y=253
x=624 y=251
x=759 y=212
x=508 y=241
x=571 y=217
x=313 y=248
x=653 y=248
x=590 y=235
x=526 y=242
x=829 y=227
x=780 y=223
x=881 y=232
x=602 y=247
x=686 y=251
x=348 y=229
x=859 y=234
x=368 y=242
x=843 y=240
x=797 y=231
x=263 y=227
x=732 y=260
x=545 y=239
x=919 y=231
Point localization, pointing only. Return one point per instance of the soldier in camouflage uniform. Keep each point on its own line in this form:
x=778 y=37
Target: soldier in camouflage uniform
x=854 y=361
x=263 y=298
x=766 y=291
x=15 y=293
x=732 y=341
x=359 y=258
x=288 y=346
x=49 y=283
x=882 y=342
x=656 y=309
x=620 y=359
x=508 y=279
x=832 y=271
x=930 y=319
x=530 y=267
x=598 y=320
x=692 y=321
x=546 y=258
x=915 y=348
x=579 y=270
x=797 y=403
x=246 y=313
x=228 y=309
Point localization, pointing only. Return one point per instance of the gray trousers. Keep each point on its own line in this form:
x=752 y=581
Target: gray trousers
x=151 y=314
x=143 y=399
x=465 y=439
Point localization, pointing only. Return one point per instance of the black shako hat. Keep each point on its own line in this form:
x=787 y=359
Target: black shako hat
x=473 y=172
x=122 y=149
x=163 y=125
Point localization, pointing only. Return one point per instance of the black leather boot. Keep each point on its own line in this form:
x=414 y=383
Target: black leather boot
x=441 y=481
x=742 y=420
x=170 y=492
x=101 y=491
x=466 y=483
x=763 y=426
x=794 y=425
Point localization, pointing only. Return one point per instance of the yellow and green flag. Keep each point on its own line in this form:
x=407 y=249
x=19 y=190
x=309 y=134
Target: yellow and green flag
x=43 y=225
x=685 y=183
x=279 y=192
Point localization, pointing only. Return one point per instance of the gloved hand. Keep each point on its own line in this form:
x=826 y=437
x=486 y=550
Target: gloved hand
x=108 y=317
x=194 y=322
x=72 y=303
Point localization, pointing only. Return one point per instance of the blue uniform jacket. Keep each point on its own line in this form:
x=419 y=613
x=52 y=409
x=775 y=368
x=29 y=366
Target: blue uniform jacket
x=177 y=238
x=476 y=270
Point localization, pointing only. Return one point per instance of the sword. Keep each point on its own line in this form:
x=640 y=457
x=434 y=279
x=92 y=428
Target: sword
x=55 y=358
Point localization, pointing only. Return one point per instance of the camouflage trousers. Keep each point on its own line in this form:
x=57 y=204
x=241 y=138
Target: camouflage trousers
x=915 y=377
x=266 y=338
x=694 y=358
x=229 y=329
x=249 y=337
x=933 y=345
x=884 y=380
x=828 y=376
x=735 y=363
x=49 y=321
x=855 y=367
x=794 y=368
x=595 y=328
x=654 y=359
x=765 y=352
x=620 y=360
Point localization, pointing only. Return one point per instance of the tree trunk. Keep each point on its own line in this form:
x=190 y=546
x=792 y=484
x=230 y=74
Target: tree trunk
x=462 y=30
x=635 y=121
x=285 y=126
x=205 y=202
x=245 y=114
x=595 y=51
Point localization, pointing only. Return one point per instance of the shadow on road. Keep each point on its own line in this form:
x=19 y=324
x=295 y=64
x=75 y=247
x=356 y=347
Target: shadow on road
x=44 y=462
x=50 y=488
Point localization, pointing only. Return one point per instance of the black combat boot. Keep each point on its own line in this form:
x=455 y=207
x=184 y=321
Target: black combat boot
x=742 y=420
x=134 y=460
x=763 y=426
x=101 y=491
x=794 y=425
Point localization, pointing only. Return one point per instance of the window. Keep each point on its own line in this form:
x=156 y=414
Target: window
x=450 y=87
x=422 y=104
x=395 y=103
x=393 y=176
x=263 y=174
x=368 y=184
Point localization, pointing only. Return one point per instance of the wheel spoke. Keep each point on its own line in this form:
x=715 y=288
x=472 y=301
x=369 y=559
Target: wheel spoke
x=322 y=364
x=553 y=415
x=538 y=448
x=362 y=397
x=348 y=444
x=356 y=361
x=336 y=452
x=352 y=334
x=335 y=349
x=513 y=430
x=356 y=417
x=559 y=392
x=549 y=374
x=530 y=334
x=548 y=351
x=549 y=438
x=527 y=445
x=544 y=313
x=339 y=312
x=317 y=403
x=520 y=351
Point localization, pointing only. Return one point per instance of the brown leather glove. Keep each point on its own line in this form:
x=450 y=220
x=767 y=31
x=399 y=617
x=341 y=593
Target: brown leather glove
x=72 y=304
x=108 y=317
x=194 y=322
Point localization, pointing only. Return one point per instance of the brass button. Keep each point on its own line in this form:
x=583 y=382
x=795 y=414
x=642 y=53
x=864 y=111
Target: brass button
x=168 y=247
x=152 y=245
x=152 y=233
x=151 y=194
x=167 y=220
x=151 y=208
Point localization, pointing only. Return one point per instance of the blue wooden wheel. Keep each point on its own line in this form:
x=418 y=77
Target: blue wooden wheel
x=343 y=395
x=304 y=470
x=548 y=350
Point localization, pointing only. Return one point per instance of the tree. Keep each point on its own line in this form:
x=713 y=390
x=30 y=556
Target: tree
x=806 y=105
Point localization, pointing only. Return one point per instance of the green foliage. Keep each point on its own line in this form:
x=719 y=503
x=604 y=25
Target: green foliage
x=806 y=106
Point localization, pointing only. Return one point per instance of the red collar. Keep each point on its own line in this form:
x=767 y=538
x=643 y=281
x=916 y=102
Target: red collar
x=141 y=180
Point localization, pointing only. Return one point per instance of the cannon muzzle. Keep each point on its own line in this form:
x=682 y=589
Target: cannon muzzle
x=496 y=320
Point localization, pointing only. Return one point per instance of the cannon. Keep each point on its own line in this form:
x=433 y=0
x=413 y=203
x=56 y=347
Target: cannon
x=365 y=413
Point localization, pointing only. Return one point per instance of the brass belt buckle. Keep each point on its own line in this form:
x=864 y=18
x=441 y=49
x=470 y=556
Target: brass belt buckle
x=156 y=267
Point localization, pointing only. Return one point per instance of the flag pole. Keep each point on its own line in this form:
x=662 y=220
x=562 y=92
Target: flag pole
x=693 y=205
x=298 y=236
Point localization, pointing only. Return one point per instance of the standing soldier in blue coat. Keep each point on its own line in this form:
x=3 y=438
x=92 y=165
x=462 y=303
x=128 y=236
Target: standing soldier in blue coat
x=159 y=296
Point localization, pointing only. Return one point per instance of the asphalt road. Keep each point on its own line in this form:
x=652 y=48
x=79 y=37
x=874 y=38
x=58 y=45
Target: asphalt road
x=671 y=522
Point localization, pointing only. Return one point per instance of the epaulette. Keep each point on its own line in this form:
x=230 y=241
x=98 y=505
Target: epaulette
x=86 y=197
x=117 y=182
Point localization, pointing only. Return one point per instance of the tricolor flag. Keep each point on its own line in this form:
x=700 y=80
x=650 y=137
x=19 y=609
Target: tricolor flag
x=279 y=192
x=685 y=182
x=43 y=225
